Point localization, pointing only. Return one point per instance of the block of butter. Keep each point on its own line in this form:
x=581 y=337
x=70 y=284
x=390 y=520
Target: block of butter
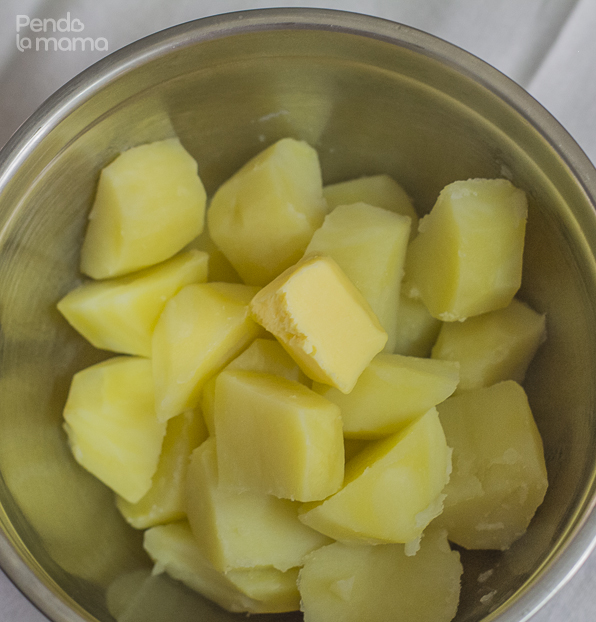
x=322 y=320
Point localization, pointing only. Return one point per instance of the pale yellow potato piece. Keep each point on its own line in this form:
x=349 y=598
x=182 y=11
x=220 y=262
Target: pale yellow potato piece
x=112 y=429
x=499 y=476
x=120 y=314
x=467 y=257
x=220 y=269
x=165 y=501
x=392 y=488
x=322 y=320
x=150 y=203
x=202 y=328
x=263 y=217
x=493 y=346
x=378 y=190
x=265 y=355
x=243 y=529
x=381 y=583
x=353 y=446
x=275 y=591
x=369 y=244
x=276 y=436
x=391 y=392
x=257 y=590
x=416 y=329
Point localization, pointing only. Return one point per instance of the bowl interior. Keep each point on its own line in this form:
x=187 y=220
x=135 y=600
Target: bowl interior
x=392 y=101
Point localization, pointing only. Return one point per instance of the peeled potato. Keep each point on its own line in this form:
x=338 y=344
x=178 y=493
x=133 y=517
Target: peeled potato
x=263 y=217
x=499 y=475
x=467 y=257
x=150 y=203
x=381 y=583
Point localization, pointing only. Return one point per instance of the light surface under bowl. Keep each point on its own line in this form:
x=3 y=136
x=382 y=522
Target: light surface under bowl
x=373 y=97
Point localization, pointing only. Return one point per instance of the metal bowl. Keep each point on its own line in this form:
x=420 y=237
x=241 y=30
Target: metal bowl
x=372 y=96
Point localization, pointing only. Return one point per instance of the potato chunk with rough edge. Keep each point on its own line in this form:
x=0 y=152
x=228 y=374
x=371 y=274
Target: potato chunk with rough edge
x=256 y=590
x=381 y=583
x=243 y=529
x=369 y=244
x=165 y=501
x=417 y=330
x=150 y=203
x=322 y=320
x=201 y=329
x=392 y=488
x=277 y=437
x=467 y=257
x=120 y=314
x=111 y=425
x=391 y=392
x=499 y=476
x=264 y=355
x=493 y=346
x=378 y=190
x=263 y=217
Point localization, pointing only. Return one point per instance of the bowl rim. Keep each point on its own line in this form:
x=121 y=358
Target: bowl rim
x=559 y=568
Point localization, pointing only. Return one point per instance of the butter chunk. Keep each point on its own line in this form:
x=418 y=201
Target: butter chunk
x=322 y=320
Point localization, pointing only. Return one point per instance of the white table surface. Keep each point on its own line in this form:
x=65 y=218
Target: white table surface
x=548 y=46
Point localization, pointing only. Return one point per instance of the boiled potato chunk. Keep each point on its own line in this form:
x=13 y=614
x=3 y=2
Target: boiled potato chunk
x=257 y=590
x=378 y=190
x=220 y=269
x=265 y=355
x=111 y=424
x=381 y=583
x=493 y=346
x=499 y=476
x=263 y=217
x=467 y=257
x=202 y=328
x=243 y=529
x=120 y=314
x=417 y=330
x=392 y=488
x=391 y=392
x=165 y=501
x=150 y=203
x=269 y=357
x=369 y=244
x=275 y=591
x=322 y=320
x=276 y=436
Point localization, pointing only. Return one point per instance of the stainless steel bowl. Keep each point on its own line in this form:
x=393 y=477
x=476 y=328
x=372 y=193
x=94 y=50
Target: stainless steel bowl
x=372 y=96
